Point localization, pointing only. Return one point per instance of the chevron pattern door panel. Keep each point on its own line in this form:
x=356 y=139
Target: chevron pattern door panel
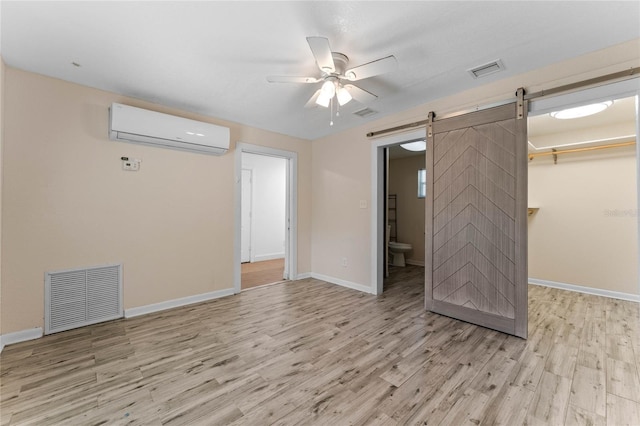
x=476 y=219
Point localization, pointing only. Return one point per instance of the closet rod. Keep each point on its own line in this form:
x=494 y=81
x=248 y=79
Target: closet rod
x=590 y=148
x=616 y=76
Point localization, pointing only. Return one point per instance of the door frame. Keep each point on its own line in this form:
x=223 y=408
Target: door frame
x=377 y=201
x=250 y=213
x=291 y=219
x=621 y=89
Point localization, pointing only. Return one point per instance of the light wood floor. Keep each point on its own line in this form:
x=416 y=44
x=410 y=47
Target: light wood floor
x=307 y=352
x=261 y=273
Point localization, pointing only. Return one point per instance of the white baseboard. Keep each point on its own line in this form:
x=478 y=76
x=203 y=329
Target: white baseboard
x=587 y=290
x=343 y=283
x=175 y=303
x=269 y=256
x=20 y=336
x=303 y=276
x=414 y=262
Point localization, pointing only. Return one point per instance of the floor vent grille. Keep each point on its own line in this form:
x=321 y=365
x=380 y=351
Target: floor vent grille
x=79 y=297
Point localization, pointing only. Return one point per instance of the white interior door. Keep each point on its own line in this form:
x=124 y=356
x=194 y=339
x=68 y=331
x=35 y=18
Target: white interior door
x=245 y=223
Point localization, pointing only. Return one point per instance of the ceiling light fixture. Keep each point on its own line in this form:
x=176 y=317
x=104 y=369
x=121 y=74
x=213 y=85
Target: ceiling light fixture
x=323 y=100
x=415 y=146
x=343 y=96
x=581 y=111
x=330 y=88
x=327 y=92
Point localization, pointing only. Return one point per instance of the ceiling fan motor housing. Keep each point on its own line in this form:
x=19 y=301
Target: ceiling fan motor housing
x=340 y=62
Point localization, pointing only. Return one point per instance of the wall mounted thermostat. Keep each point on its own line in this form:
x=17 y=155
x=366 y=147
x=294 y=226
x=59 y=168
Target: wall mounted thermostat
x=130 y=164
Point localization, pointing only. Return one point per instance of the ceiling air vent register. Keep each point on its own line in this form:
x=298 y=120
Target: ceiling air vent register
x=365 y=112
x=486 y=69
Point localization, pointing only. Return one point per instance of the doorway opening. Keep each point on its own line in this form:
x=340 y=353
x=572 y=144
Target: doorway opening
x=265 y=223
x=583 y=193
x=398 y=216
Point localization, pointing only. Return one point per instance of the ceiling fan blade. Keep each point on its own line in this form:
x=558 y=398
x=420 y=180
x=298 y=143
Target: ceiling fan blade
x=359 y=94
x=288 y=79
x=311 y=103
x=371 y=69
x=322 y=52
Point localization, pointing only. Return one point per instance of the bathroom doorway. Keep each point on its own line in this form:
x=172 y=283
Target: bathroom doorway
x=398 y=214
x=405 y=203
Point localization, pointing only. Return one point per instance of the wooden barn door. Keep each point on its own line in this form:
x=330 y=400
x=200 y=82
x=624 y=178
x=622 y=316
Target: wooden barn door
x=476 y=213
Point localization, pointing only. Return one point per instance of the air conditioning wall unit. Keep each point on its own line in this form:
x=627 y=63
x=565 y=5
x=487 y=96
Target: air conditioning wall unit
x=137 y=125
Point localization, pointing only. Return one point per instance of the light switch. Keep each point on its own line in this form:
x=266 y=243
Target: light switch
x=363 y=204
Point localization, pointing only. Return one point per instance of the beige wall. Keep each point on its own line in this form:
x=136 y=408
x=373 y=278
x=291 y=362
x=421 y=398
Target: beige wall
x=67 y=203
x=585 y=232
x=403 y=181
x=342 y=162
x=340 y=228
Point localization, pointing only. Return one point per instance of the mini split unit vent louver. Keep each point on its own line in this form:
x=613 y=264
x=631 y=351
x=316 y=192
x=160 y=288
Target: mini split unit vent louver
x=79 y=297
x=131 y=124
x=486 y=69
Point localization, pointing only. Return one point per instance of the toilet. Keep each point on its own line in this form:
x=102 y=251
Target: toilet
x=397 y=252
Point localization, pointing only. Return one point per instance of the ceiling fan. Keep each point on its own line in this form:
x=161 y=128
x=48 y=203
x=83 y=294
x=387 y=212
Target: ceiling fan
x=336 y=76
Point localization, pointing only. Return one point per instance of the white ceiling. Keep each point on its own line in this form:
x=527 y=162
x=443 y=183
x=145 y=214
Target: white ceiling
x=213 y=57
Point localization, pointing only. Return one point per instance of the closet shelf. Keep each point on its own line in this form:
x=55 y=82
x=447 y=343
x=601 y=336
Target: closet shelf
x=555 y=152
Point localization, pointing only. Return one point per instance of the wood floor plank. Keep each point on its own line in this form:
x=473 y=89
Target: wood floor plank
x=577 y=416
x=620 y=347
x=528 y=370
x=589 y=391
x=466 y=409
x=308 y=352
x=622 y=379
x=550 y=400
x=509 y=406
x=622 y=412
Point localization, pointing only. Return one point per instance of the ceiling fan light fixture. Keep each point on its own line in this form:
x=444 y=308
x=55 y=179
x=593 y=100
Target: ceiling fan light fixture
x=343 y=96
x=329 y=88
x=581 y=111
x=335 y=73
x=323 y=99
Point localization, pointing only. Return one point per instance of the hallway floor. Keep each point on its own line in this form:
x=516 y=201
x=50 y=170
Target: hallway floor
x=260 y=273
